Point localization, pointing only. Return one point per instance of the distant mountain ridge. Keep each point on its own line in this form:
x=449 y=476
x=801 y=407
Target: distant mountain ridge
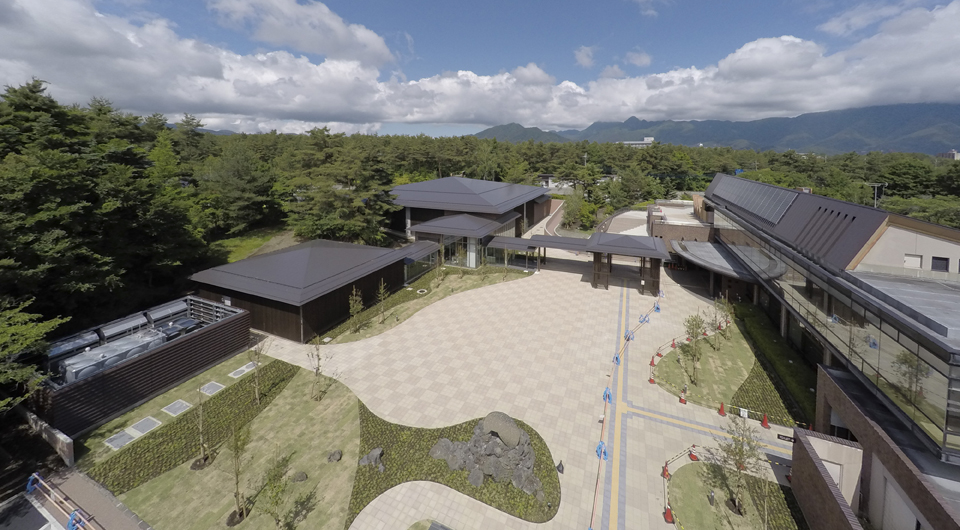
x=920 y=127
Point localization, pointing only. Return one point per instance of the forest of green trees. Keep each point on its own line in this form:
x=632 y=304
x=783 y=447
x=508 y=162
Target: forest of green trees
x=103 y=212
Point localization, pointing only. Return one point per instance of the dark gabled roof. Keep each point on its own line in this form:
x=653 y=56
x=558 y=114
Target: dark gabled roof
x=304 y=272
x=465 y=195
x=463 y=225
x=829 y=231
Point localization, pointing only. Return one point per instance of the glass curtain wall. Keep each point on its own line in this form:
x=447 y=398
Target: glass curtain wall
x=909 y=375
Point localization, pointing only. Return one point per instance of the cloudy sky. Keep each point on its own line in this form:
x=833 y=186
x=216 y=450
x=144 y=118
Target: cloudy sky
x=448 y=67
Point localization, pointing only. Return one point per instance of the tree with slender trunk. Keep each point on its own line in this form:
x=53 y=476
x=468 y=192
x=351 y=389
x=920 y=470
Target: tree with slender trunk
x=203 y=444
x=256 y=355
x=694 y=326
x=239 y=439
x=275 y=484
x=741 y=452
x=382 y=294
x=461 y=256
x=317 y=360
x=356 y=307
x=440 y=263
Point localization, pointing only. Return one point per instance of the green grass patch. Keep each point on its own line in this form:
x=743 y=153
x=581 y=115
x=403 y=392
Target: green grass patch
x=91 y=449
x=177 y=441
x=240 y=247
x=730 y=375
x=406 y=459
x=293 y=424
x=404 y=303
x=792 y=371
x=764 y=501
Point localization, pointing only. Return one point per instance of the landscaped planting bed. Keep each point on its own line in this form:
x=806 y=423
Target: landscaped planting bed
x=177 y=441
x=689 y=491
x=791 y=369
x=406 y=458
x=758 y=394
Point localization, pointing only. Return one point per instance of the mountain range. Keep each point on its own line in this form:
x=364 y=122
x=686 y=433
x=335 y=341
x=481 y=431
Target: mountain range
x=919 y=128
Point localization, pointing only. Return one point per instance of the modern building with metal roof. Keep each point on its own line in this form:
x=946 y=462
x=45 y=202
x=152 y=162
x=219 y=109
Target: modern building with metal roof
x=872 y=299
x=302 y=291
x=463 y=215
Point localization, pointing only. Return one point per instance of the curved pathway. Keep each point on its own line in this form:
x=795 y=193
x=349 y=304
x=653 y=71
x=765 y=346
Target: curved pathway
x=539 y=349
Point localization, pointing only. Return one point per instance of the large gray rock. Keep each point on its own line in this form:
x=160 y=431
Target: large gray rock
x=441 y=449
x=504 y=427
x=476 y=477
x=335 y=456
x=373 y=457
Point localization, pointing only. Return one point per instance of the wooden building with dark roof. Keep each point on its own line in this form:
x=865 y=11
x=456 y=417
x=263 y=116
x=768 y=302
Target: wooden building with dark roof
x=300 y=292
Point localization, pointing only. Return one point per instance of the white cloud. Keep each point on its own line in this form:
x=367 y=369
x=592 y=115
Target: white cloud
x=637 y=58
x=584 y=55
x=308 y=27
x=862 y=16
x=612 y=72
x=647 y=8
x=144 y=66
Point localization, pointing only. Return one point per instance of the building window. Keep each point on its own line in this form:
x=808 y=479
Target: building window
x=913 y=261
x=940 y=264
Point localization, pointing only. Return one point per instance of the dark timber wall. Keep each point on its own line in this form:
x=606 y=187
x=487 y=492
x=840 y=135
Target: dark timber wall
x=277 y=318
x=319 y=315
x=88 y=403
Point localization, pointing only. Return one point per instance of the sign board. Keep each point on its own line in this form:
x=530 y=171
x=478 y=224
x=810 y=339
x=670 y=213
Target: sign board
x=744 y=413
x=786 y=438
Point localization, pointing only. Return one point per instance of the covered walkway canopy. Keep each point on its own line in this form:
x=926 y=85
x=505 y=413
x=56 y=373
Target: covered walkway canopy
x=651 y=251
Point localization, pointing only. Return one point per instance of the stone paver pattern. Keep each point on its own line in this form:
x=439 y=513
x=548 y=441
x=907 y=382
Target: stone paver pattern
x=539 y=349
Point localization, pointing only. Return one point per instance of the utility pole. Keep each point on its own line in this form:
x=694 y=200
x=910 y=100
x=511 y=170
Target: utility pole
x=876 y=186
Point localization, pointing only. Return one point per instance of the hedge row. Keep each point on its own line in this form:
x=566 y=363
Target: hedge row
x=177 y=441
x=406 y=458
x=797 y=376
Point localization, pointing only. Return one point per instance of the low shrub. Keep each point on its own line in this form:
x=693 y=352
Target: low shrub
x=177 y=441
x=796 y=376
x=406 y=458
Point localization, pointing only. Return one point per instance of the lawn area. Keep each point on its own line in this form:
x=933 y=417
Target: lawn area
x=689 y=493
x=406 y=302
x=421 y=525
x=406 y=458
x=292 y=424
x=793 y=375
x=242 y=246
x=91 y=449
x=730 y=375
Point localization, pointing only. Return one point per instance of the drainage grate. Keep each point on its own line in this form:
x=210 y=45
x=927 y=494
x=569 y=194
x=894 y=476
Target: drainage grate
x=177 y=408
x=243 y=369
x=145 y=425
x=211 y=388
x=119 y=440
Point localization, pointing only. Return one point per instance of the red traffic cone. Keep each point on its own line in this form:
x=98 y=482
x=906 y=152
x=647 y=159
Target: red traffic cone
x=673 y=343
x=689 y=339
x=764 y=423
x=790 y=476
x=652 y=363
x=652 y=382
x=666 y=471
x=704 y=333
x=659 y=353
x=668 y=515
x=722 y=412
x=683 y=400
x=693 y=457
x=719 y=327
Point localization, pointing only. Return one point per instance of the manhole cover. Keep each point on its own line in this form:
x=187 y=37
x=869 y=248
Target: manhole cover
x=119 y=440
x=211 y=388
x=421 y=291
x=145 y=425
x=176 y=408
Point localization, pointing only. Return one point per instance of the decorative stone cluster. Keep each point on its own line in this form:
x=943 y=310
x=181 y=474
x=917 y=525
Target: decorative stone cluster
x=499 y=450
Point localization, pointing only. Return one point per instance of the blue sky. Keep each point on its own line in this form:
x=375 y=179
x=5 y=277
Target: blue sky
x=457 y=67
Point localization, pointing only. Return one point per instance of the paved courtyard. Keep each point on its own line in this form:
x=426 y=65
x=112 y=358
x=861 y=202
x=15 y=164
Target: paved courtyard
x=541 y=350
